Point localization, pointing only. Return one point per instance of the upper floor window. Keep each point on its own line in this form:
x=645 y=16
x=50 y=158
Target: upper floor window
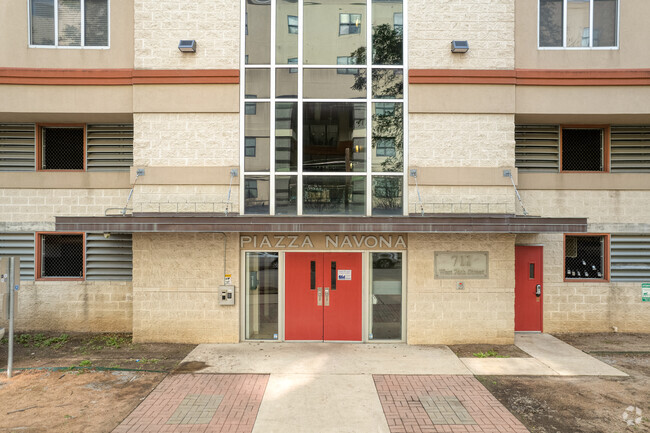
x=69 y=23
x=349 y=24
x=62 y=147
x=578 y=23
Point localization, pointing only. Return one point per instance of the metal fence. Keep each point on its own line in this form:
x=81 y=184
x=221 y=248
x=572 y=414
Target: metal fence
x=584 y=257
x=63 y=148
x=62 y=256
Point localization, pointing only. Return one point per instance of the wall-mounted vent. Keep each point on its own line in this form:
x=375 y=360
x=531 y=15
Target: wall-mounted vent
x=21 y=245
x=537 y=148
x=109 y=258
x=630 y=257
x=110 y=147
x=630 y=149
x=17 y=147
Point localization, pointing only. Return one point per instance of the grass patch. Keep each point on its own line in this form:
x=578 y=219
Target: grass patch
x=38 y=340
x=99 y=342
x=489 y=354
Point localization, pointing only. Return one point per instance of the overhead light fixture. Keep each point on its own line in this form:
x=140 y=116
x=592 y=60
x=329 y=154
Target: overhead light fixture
x=187 y=46
x=459 y=46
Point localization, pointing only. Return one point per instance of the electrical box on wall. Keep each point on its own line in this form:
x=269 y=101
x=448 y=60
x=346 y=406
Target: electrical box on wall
x=226 y=295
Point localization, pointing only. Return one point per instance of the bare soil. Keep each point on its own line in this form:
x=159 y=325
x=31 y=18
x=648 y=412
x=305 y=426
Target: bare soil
x=488 y=351
x=584 y=404
x=58 y=384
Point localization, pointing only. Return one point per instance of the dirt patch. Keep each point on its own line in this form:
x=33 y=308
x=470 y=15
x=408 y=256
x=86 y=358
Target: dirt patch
x=57 y=399
x=39 y=401
x=488 y=351
x=583 y=404
x=608 y=342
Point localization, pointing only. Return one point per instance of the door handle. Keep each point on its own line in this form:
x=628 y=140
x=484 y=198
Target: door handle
x=320 y=296
x=538 y=290
x=327 y=296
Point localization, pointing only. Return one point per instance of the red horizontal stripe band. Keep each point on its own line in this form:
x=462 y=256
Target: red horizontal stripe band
x=533 y=77
x=116 y=77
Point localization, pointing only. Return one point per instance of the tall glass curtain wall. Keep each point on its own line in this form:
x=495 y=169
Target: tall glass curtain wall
x=323 y=121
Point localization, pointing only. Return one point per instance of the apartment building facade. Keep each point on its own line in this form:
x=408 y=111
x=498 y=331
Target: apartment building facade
x=327 y=171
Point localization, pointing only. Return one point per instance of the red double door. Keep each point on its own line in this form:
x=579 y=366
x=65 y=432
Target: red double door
x=528 y=288
x=323 y=296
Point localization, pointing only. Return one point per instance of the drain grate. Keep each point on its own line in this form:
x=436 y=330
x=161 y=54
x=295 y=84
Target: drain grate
x=447 y=410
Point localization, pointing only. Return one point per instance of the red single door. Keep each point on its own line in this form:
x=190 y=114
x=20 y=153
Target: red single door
x=323 y=296
x=528 y=288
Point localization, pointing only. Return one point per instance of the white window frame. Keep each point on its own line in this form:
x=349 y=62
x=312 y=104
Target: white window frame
x=591 y=28
x=56 y=28
x=368 y=101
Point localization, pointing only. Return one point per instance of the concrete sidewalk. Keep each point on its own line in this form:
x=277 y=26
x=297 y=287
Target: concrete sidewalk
x=339 y=388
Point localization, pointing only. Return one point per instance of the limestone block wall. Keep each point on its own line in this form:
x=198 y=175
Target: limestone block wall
x=35 y=209
x=462 y=199
x=483 y=312
x=186 y=139
x=160 y=24
x=461 y=140
x=488 y=26
x=175 y=282
x=585 y=307
x=87 y=306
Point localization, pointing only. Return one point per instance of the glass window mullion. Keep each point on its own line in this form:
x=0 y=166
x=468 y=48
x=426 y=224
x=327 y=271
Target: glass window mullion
x=56 y=23
x=83 y=23
x=368 y=107
x=301 y=30
x=591 y=23
x=272 y=110
x=564 y=22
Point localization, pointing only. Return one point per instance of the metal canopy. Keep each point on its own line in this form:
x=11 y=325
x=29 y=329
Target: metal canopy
x=206 y=223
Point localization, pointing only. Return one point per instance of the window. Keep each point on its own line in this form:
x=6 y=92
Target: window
x=293 y=24
x=69 y=23
x=349 y=24
x=346 y=60
x=385 y=146
x=61 y=147
x=385 y=109
x=578 y=23
x=585 y=257
x=397 y=22
x=250 y=188
x=60 y=256
x=292 y=61
x=250 y=108
x=584 y=149
x=250 y=144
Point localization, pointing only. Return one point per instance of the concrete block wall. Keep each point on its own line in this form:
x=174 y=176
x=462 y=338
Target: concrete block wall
x=73 y=306
x=35 y=209
x=461 y=140
x=175 y=282
x=160 y=24
x=186 y=139
x=585 y=306
x=185 y=198
x=462 y=199
x=488 y=26
x=438 y=313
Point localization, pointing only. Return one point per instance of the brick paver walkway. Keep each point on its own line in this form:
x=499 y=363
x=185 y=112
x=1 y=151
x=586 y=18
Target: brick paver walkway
x=432 y=404
x=205 y=403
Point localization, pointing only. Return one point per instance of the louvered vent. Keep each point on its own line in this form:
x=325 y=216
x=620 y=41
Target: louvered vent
x=630 y=149
x=630 y=258
x=108 y=259
x=22 y=245
x=110 y=147
x=17 y=149
x=537 y=148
